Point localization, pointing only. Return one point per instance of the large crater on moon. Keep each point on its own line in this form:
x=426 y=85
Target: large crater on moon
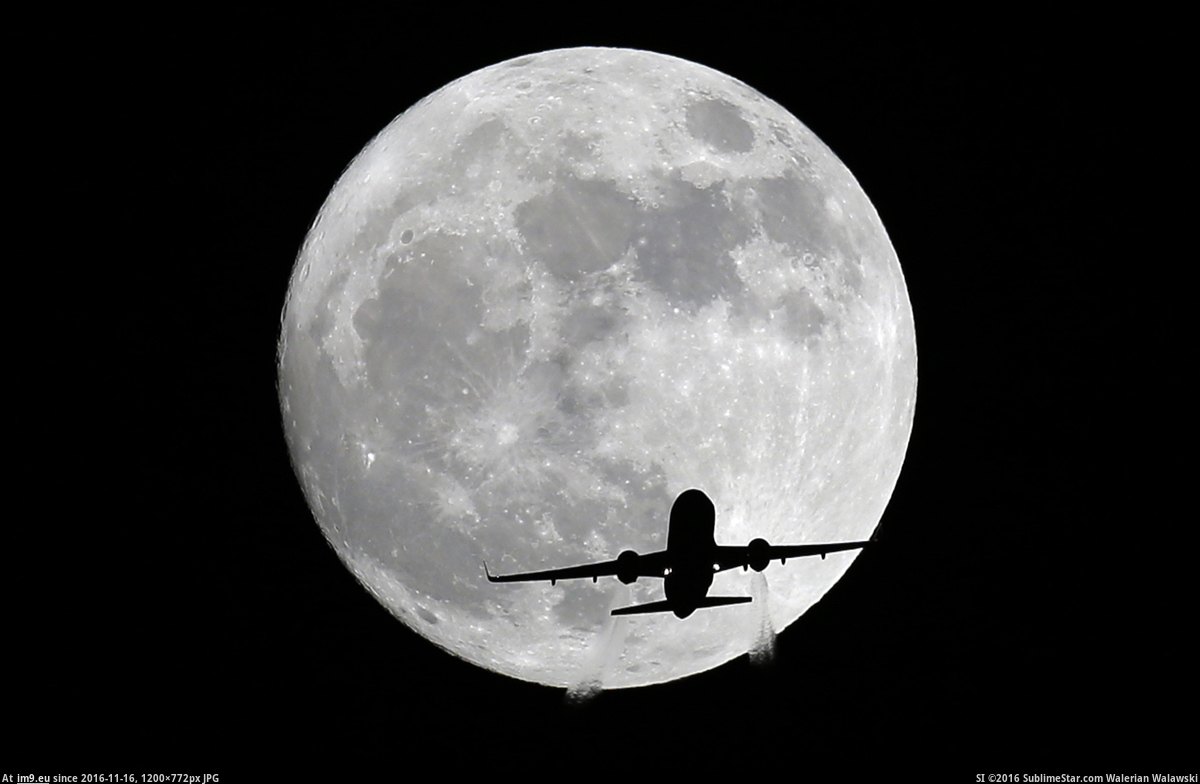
x=553 y=295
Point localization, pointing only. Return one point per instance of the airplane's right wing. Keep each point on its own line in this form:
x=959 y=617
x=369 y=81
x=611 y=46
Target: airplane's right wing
x=759 y=553
x=628 y=566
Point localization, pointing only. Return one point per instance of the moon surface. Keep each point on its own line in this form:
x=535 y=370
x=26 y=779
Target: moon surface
x=550 y=297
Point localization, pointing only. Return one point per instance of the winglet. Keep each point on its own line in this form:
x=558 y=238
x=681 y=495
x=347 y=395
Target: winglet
x=491 y=579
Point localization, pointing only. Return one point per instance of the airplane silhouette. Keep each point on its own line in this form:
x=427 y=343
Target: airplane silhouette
x=689 y=562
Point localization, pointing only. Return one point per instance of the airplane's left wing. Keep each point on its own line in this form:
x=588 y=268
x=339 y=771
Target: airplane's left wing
x=759 y=553
x=628 y=566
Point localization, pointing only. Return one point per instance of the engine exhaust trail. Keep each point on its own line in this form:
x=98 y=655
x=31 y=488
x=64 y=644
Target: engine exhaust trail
x=762 y=651
x=605 y=653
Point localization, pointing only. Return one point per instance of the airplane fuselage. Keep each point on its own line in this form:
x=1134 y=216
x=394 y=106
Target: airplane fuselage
x=685 y=587
x=691 y=543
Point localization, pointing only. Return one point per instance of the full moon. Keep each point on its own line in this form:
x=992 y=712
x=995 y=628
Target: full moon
x=550 y=297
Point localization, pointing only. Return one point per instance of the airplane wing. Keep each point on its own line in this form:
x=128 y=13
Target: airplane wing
x=628 y=566
x=759 y=553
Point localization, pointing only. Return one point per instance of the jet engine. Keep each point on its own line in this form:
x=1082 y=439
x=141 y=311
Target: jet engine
x=759 y=554
x=627 y=567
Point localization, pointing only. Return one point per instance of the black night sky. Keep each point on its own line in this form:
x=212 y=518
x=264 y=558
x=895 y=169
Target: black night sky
x=1026 y=612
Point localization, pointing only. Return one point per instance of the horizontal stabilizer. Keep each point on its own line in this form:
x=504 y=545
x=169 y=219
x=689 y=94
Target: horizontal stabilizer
x=655 y=607
x=640 y=609
x=721 y=601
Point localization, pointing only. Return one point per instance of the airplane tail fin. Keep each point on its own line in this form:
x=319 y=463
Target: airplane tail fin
x=654 y=607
